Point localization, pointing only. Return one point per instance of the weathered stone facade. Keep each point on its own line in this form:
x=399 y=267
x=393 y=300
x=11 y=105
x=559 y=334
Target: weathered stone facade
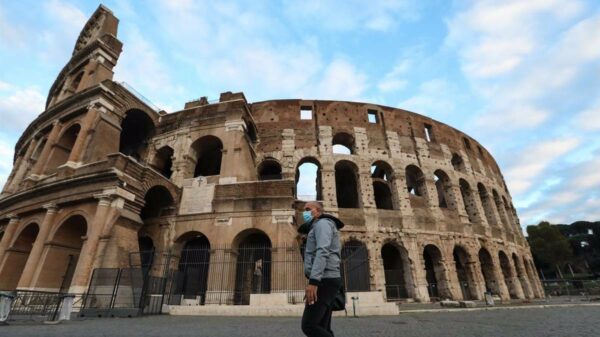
x=100 y=168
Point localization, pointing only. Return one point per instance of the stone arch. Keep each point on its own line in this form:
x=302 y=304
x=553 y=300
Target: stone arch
x=434 y=271
x=62 y=254
x=468 y=200
x=307 y=168
x=253 y=264
x=269 y=169
x=207 y=153
x=458 y=163
x=522 y=276
x=39 y=148
x=62 y=149
x=487 y=270
x=443 y=185
x=15 y=257
x=343 y=143
x=137 y=128
x=509 y=215
x=158 y=202
x=163 y=161
x=464 y=270
x=355 y=266
x=415 y=181
x=487 y=205
x=509 y=277
x=191 y=281
x=382 y=176
x=347 y=184
x=396 y=266
x=500 y=208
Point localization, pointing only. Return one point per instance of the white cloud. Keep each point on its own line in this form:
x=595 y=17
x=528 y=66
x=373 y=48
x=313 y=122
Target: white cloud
x=19 y=107
x=6 y=160
x=395 y=79
x=530 y=165
x=589 y=119
x=515 y=116
x=340 y=81
x=348 y=15
x=435 y=98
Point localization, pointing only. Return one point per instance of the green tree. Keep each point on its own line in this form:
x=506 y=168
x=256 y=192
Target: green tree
x=548 y=245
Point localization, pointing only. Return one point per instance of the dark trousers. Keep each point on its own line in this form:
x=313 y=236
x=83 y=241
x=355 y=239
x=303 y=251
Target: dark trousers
x=316 y=320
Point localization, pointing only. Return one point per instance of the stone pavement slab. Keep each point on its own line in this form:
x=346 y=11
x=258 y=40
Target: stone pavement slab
x=569 y=321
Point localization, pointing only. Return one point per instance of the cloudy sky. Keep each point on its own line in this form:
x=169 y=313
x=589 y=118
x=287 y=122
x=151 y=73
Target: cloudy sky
x=522 y=77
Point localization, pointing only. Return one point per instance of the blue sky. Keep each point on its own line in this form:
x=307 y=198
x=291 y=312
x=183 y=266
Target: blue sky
x=522 y=77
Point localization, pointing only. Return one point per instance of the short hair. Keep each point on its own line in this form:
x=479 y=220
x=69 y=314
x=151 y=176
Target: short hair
x=317 y=205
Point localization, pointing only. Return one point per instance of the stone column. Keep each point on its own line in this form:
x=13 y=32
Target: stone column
x=38 y=247
x=501 y=286
x=376 y=267
x=516 y=282
x=40 y=165
x=89 y=250
x=473 y=268
x=522 y=275
x=82 y=138
x=11 y=228
x=417 y=269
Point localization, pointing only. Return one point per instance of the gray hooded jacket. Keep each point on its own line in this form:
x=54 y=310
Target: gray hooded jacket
x=323 y=251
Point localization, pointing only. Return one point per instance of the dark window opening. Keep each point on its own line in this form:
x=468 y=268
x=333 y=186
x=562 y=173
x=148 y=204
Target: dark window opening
x=343 y=143
x=432 y=258
x=75 y=83
x=415 y=181
x=395 y=270
x=158 y=203
x=383 y=185
x=192 y=275
x=136 y=131
x=429 y=133
x=487 y=269
x=465 y=277
x=62 y=149
x=253 y=267
x=468 y=201
x=373 y=116
x=163 y=161
x=458 y=163
x=484 y=197
x=269 y=170
x=346 y=185
x=306 y=113
x=383 y=195
x=443 y=187
x=467 y=143
x=208 y=152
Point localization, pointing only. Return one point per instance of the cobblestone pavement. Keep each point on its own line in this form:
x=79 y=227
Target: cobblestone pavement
x=571 y=321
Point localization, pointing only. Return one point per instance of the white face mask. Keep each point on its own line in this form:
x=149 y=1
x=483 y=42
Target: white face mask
x=307 y=216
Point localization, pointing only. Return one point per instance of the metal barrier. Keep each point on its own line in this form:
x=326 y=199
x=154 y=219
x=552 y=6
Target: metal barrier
x=563 y=287
x=35 y=305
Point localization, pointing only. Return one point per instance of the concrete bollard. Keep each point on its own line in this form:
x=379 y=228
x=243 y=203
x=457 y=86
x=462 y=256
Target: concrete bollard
x=66 y=308
x=5 y=304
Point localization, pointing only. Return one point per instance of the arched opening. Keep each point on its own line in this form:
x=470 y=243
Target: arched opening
x=486 y=204
x=253 y=265
x=62 y=254
x=136 y=131
x=415 y=181
x=15 y=257
x=75 y=83
x=508 y=275
x=355 y=266
x=146 y=249
x=38 y=149
x=269 y=169
x=396 y=266
x=487 y=270
x=464 y=273
x=62 y=149
x=208 y=152
x=530 y=269
x=158 y=202
x=346 y=184
x=444 y=189
x=192 y=270
x=308 y=180
x=500 y=208
x=251 y=131
x=468 y=200
x=509 y=215
x=432 y=257
x=383 y=185
x=163 y=161
x=522 y=275
x=343 y=143
x=458 y=163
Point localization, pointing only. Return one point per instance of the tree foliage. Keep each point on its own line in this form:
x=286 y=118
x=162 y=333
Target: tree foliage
x=548 y=245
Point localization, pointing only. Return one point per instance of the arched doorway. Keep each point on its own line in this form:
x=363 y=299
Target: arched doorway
x=62 y=254
x=193 y=267
x=464 y=273
x=269 y=169
x=383 y=185
x=355 y=266
x=136 y=131
x=396 y=266
x=208 y=152
x=62 y=149
x=15 y=257
x=487 y=270
x=342 y=143
x=432 y=257
x=253 y=265
x=163 y=161
x=158 y=201
x=346 y=184
x=508 y=275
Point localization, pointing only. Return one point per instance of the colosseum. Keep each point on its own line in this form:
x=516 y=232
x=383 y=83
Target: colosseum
x=202 y=204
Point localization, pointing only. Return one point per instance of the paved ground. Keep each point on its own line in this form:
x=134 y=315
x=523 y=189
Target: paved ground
x=530 y=322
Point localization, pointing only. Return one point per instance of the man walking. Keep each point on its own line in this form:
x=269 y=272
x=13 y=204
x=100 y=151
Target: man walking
x=322 y=258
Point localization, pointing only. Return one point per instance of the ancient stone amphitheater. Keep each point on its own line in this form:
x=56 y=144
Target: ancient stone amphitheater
x=104 y=182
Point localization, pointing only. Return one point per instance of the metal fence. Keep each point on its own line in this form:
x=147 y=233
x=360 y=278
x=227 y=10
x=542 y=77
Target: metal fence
x=35 y=305
x=563 y=287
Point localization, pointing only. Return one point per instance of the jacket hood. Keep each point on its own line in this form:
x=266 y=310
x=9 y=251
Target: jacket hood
x=305 y=227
